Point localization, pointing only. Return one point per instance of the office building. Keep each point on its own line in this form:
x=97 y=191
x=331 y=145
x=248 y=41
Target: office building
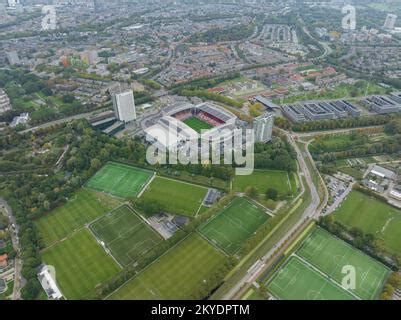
x=4 y=102
x=263 y=127
x=124 y=106
x=389 y=24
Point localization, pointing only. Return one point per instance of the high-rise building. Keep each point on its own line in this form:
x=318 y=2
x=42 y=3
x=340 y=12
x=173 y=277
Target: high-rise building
x=263 y=127
x=13 y=57
x=124 y=106
x=389 y=24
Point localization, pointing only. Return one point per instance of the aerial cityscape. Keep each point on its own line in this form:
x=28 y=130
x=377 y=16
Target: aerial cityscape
x=214 y=150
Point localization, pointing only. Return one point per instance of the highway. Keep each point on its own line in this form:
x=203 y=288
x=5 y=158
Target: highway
x=313 y=211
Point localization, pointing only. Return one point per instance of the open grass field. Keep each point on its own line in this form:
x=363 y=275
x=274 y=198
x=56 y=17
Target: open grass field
x=119 y=180
x=264 y=179
x=125 y=234
x=330 y=255
x=81 y=264
x=174 y=275
x=197 y=124
x=297 y=281
x=234 y=225
x=372 y=216
x=175 y=196
x=84 y=206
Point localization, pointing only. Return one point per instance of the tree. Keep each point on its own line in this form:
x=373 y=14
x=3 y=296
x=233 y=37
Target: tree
x=68 y=98
x=251 y=192
x=272 y=194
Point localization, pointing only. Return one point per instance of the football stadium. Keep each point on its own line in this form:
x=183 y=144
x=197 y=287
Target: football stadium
x=182 y=123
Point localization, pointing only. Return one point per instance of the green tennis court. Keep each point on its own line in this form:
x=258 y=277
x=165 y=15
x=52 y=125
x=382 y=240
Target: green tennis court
x=120 y=180
x=298 y=281
x=234 y=225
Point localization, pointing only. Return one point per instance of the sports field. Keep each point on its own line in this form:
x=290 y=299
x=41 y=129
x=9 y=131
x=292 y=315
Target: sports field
x=297 y=281
x=372 y=216
x=175 y=196
x=197 y=124
x=330 y=255
x=125 y=234
x=119 y=180
x=81 y=264
x=234 y=225
x=84 y=206
x=264 y=179
x=174 y=275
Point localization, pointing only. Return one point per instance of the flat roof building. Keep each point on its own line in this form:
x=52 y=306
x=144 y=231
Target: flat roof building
x=263 y=127
x=124 y=106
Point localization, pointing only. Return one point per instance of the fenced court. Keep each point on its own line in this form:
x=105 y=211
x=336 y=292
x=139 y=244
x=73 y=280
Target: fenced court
x=234 y=225
x=330 y=255
x=125 y=235
x=120 y=180
x=297 y=281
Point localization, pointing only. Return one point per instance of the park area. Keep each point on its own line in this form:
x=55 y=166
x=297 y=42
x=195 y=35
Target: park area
x=372 y=216
x=236 y=223
x=175 y=197
x=283 y=182
x=84 y=206
x=197 y=124
x=125 y=234
x=176 y=274
x=80 y=263
x=314 y=272
x=120 y=180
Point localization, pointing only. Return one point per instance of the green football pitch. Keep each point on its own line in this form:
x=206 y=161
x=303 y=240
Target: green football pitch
x=372 y=216
x=197 y=124
x=331 y=255
x=176 y=197
x=80 y=263
x=119 y=180
x=84 y=206
x=297 y=281
x=125 y=234
x=176 y=274
x=234 y=225
x=283 y=182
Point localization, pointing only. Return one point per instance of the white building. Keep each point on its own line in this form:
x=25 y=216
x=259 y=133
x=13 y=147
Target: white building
x=124 y=106
x=13 y=58
x=49 y=284
x=4 y=102
x=389 y=24
x=23 y=118
x=263 y=127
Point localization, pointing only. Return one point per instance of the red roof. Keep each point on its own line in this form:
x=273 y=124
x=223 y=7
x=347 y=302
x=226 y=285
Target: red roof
x=3 y=258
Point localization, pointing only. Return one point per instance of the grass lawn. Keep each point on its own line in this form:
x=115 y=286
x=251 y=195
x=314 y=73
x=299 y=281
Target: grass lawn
x=175 y=196
x=119 y=180
x=264 y=179
x=175 y=275
x=330 y=255
x=125 y=234
x=197 y=124
x=372 y=216
x=81 y=264
x=297 y=281
x=230 y=229
x=84 y=206
x=6 y=294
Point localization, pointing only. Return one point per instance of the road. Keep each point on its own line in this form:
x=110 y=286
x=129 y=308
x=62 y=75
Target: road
x=15 y=241
x=326 y=47
x=313 y=211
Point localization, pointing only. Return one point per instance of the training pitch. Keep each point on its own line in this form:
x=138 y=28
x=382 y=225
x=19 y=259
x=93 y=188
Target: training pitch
x=372 y=216
x=283 y=182
x=197 y=124
x=176 y=274
x=234 y=225
x=297 y=281
x=125 y=234
x=120 y=180
x=330 y=255
x=321 y=261
x=176 y=197
x=81 y=264
x=84 y=206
